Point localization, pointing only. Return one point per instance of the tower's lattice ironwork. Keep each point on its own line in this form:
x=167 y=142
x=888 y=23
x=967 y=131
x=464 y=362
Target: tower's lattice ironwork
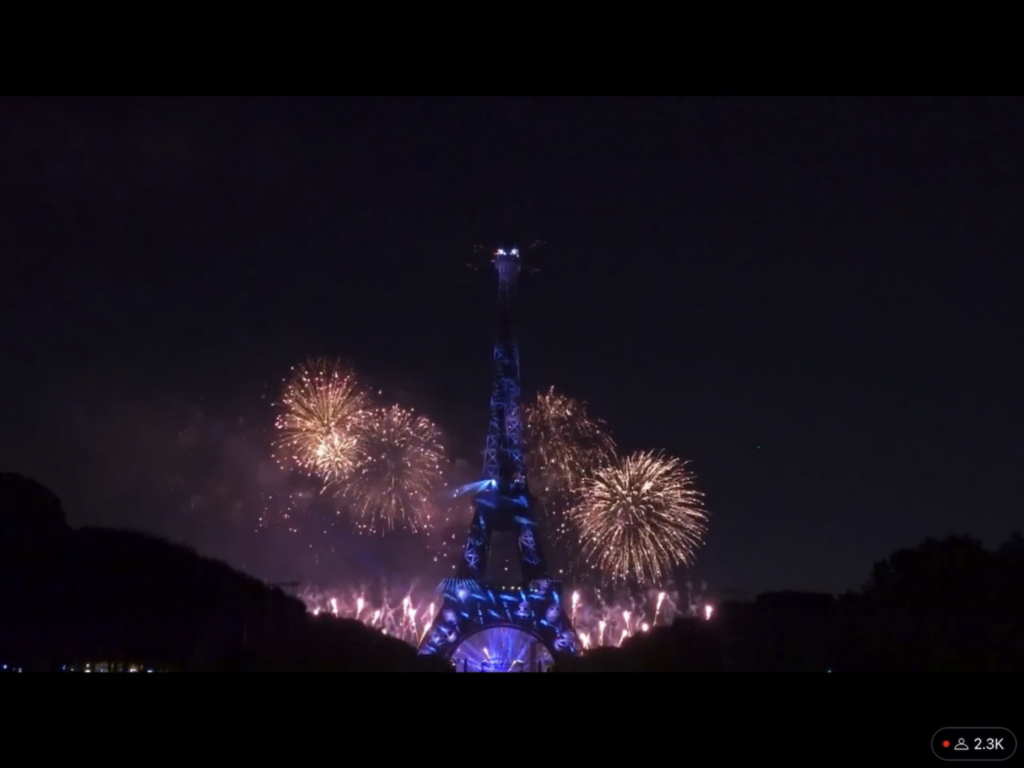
x=483 y=626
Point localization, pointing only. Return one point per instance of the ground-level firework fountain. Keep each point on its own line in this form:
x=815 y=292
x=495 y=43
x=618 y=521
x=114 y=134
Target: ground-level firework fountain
x=600 y=620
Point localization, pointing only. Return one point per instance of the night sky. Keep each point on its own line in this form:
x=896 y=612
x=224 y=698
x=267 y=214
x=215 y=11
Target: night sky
x=814 y=300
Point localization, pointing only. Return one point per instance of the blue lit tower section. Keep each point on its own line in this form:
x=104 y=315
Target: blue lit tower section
x=483 y=626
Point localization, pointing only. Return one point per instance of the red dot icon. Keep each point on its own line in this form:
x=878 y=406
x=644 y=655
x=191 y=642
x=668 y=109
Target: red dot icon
x=945 y=743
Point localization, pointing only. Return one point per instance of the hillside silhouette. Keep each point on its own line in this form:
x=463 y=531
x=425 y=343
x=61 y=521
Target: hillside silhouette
x=945 y=606
x=72 y=596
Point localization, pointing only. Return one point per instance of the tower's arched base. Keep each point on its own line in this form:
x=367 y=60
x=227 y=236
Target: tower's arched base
x=502 y=649
x=509 y=623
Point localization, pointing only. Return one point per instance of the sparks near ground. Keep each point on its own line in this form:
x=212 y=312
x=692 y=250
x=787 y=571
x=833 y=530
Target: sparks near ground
x=601 y=620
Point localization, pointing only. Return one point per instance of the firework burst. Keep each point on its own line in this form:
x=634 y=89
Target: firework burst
x=399 y=463
x=639 y=517
x=322 y=410
x=564 y=444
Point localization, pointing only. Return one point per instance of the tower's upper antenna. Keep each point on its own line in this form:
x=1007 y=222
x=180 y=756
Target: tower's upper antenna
x=504 y=253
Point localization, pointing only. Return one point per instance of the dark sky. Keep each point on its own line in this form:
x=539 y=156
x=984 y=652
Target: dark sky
x=814 y=300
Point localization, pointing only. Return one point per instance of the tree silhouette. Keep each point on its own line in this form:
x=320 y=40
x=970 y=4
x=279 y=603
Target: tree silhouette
x=28 y=509
x=945 y=605
x=71 y=596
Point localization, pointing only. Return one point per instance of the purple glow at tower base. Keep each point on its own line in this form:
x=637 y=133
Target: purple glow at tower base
x=501 y=649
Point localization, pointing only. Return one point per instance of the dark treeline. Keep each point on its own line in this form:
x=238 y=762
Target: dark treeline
x=70 y=597
x=944 y=606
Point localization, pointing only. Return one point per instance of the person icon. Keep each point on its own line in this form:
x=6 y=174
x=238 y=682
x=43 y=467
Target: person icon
x=961 y=746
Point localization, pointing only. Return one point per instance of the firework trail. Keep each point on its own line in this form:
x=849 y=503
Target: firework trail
x=599 y=622
x=398 y=465
x=322 y=407
x=639 y=517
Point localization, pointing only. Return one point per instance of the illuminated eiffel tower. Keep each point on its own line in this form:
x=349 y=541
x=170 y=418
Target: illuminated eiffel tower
x=483 y=626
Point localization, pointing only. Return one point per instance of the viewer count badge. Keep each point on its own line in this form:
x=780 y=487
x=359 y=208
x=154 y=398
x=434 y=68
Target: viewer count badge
x=974 y=744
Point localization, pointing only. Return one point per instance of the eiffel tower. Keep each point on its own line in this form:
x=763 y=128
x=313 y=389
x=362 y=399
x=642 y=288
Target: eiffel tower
x=482 y=625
